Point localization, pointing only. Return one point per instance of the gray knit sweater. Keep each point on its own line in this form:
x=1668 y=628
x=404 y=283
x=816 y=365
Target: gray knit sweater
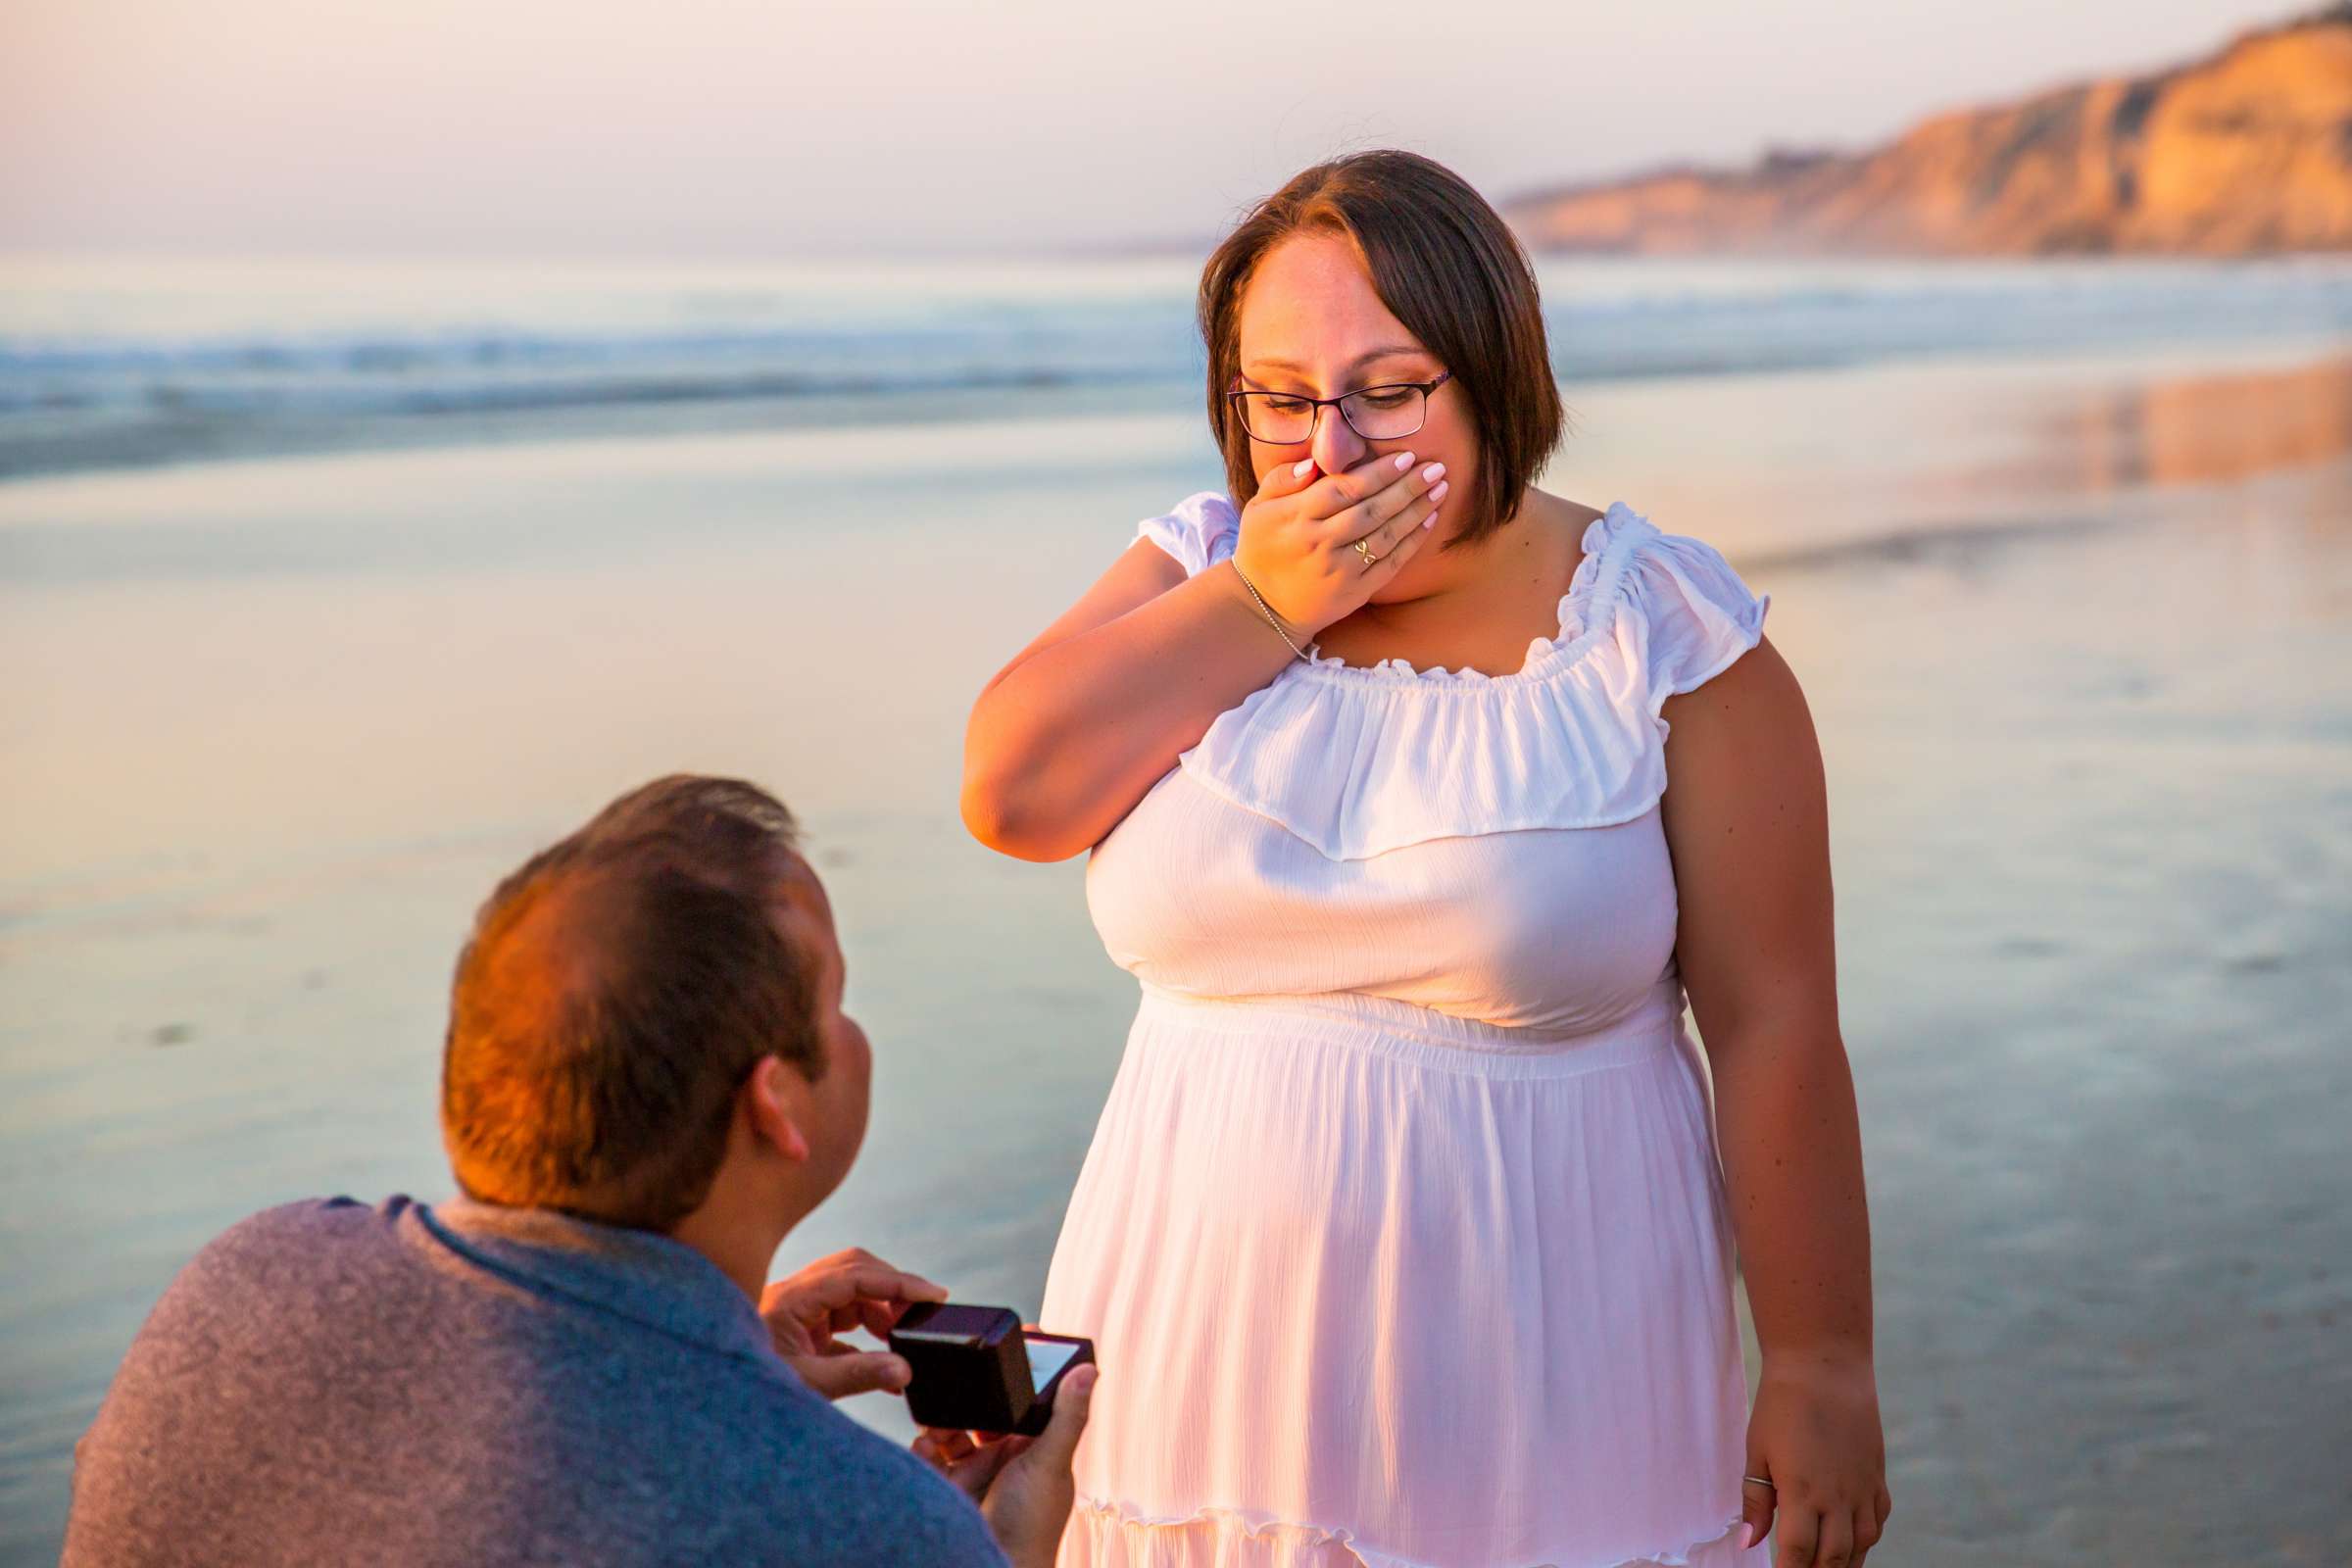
x=329 y=1383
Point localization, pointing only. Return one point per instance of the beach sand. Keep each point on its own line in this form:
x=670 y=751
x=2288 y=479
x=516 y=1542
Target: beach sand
x=2076 y=635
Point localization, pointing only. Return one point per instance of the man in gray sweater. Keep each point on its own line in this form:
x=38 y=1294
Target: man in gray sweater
x=648 y=1082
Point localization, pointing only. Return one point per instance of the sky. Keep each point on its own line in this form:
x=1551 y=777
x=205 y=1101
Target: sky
x=778 y=128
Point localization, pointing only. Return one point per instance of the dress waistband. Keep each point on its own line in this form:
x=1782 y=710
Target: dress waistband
x=1412 y=1032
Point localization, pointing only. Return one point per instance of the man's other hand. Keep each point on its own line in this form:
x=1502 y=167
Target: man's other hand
x=806 y=1313
x=1022 y=1485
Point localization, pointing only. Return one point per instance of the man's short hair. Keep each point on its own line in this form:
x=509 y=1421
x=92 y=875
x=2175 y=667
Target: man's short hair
x=614 y=993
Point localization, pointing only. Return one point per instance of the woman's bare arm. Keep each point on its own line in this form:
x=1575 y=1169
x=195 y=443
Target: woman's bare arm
x=1747 y=821
x=1069 y=735
x=1066 y=738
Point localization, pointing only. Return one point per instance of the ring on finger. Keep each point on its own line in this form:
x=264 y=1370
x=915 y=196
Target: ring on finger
x=1363 y=548
x=1759 y=1480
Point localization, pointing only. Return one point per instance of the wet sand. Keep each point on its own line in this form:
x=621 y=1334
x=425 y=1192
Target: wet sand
x=2077 y=638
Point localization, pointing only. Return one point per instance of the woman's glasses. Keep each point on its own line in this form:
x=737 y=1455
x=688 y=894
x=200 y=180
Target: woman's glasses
x=1374 y=412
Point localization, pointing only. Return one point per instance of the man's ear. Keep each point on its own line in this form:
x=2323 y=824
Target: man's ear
x=774 y=1098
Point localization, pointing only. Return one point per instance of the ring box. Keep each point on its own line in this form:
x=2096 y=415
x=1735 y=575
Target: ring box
x=977 y=1369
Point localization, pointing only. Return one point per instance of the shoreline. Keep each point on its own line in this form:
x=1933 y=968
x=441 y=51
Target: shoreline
x=159 y=363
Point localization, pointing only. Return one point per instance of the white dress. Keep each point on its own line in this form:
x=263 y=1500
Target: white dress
x=1403 y=1237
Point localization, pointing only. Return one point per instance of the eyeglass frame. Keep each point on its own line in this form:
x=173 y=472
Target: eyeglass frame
x=1427 y=389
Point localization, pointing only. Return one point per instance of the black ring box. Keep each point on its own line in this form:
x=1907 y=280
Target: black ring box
x=973 y=1370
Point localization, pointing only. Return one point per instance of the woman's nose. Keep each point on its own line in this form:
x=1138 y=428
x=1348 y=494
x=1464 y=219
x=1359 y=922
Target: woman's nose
x=1336 y=446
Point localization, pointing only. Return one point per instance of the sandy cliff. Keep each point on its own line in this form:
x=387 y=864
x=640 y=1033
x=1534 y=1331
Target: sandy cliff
x=2244 y=152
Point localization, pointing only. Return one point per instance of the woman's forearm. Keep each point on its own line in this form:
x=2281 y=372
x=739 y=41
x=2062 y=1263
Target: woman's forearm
x=1792 y=1161
x=1064 y=744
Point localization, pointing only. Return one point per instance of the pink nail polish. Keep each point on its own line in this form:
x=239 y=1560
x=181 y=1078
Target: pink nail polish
x=1747 y=1536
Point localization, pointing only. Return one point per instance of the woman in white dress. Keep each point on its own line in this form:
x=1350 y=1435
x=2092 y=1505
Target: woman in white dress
x=1404 y=1237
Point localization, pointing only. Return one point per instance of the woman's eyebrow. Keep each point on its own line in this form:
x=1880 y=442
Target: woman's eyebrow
x=1359 y=362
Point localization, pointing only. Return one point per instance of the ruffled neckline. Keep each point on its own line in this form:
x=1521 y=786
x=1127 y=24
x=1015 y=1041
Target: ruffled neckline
x=1605 y=544
x=1358 y=760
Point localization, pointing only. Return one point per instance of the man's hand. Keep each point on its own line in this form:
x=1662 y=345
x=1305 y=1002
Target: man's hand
x=1022 y=1485
x=852 y=1289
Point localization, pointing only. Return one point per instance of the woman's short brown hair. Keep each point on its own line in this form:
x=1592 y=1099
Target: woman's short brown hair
x=1446 y=266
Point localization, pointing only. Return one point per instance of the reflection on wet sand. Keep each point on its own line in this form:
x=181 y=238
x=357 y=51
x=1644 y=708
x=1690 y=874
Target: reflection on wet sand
x=2205 y=429
x=2062 y=456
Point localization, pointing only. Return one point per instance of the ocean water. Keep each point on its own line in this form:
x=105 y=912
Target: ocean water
x=109 y=361
x=316 y=614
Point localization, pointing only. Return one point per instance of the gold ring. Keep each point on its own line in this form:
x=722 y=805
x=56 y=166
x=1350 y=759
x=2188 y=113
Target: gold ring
x=1759 y=1480
x=1364 y=549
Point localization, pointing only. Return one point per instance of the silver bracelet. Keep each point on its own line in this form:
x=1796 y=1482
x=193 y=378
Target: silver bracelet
x=1267 y=610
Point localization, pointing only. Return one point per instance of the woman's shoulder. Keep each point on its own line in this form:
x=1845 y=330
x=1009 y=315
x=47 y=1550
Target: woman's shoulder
x=1198 y=532
x=1696 y=614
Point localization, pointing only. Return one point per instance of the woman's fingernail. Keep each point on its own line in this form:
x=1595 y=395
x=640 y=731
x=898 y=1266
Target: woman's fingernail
x=1430 y=522
x=1299 y=468
x=1404 y=461
x=1434 y=472
x=1747 y=1536
x=1439 y=492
